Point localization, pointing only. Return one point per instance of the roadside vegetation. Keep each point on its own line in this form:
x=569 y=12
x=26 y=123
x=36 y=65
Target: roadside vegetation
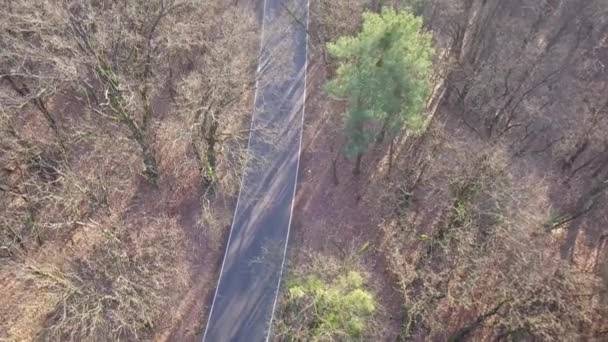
x=480 y=170
x=328 y=299
x=461 y=142
x=121 y=135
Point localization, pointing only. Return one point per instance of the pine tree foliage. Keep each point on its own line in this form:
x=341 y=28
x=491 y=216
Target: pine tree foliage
x=383 y=74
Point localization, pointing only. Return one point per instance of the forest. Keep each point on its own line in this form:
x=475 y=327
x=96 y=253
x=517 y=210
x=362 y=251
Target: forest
x=453 y=177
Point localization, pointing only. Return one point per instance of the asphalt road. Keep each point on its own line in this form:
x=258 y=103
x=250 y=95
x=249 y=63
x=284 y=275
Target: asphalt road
x=248 y=285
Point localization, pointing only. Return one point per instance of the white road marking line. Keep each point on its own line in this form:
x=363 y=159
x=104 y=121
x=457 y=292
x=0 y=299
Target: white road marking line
x=297 y=170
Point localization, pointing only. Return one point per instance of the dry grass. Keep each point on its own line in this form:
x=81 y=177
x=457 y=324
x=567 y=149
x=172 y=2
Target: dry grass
x=119 y=290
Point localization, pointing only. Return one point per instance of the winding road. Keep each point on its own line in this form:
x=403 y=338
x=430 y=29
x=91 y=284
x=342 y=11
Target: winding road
x=246 y=295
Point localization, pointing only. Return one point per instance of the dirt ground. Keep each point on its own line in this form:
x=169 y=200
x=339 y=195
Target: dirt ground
x=188 y=318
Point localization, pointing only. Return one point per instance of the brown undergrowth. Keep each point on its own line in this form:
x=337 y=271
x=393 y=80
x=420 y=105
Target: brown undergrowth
x=490 y=224
x=114 y=197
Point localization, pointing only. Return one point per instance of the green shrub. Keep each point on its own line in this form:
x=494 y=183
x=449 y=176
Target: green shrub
x=326 y=311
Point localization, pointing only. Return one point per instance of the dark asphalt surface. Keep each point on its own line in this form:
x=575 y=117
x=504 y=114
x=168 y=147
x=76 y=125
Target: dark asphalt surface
x=244 y=301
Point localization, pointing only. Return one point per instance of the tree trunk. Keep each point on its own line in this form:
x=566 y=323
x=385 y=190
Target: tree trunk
x=196 y=148
x=586 y=203
x=357 y=169
x=51 y=121
x=463 y=333
x=570 y=160
x=105 y=74
x=376 y=5
x=334 y=169
x=211 y=154
x=24 y=91
x=391 y=152
x=334 y=163
x=382 y=134
x=150 y=164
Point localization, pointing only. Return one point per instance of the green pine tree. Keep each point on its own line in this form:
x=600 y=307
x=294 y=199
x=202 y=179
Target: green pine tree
x=383 y=73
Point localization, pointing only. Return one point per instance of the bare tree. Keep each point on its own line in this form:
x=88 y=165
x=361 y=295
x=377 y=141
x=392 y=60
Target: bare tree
x=114 y=54
x=486 y=259
x=212 y=97
x=330 y=20
x=31 y=69
x=87 y=92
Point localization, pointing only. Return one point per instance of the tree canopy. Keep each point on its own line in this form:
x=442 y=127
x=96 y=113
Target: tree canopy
x=321 y=310
x=383 y=74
